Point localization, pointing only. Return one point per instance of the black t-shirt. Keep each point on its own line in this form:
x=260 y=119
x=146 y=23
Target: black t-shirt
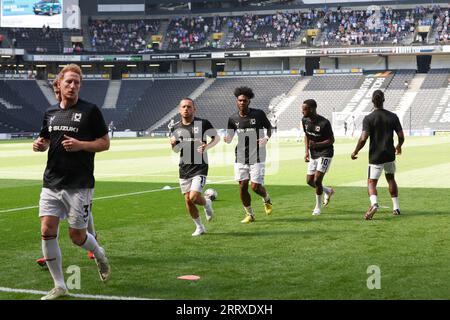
x=189 y=138
x=249 y=129
x=380 y=126
x=71 y=170
x=318 y=130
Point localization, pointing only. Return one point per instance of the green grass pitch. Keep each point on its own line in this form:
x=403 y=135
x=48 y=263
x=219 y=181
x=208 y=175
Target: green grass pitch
x=146 y=231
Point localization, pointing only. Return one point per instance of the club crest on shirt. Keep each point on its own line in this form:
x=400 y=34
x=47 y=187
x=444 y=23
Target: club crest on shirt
x=195 y=129
x=76 y=117
x=317 y=128
x=253 y=121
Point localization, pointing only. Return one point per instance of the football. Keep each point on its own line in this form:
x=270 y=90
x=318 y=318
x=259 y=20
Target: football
x=211 y=194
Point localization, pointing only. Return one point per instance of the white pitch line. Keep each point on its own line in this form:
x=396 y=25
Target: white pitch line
x=113 y=196
x=84 y=296
x=18 y=209
x=99 y=198
x=133 y=193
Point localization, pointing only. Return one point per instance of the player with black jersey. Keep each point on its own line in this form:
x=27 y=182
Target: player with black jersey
x=380 y=125
x=189 y=136
x=73 y=130
x=319 y=151
x=253 y=130
x=90 y=227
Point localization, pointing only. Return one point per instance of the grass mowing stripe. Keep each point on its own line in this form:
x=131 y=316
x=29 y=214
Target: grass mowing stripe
x=99 y=198
x=113 y=196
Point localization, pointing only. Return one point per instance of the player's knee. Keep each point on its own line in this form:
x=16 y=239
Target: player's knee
x=77 y=240
x=243 y=185
x=255 y=186
x=318 y=182
x=48 y=233
x=194 y=196
x=48 y=226
x=390 y=177
x=77 y=237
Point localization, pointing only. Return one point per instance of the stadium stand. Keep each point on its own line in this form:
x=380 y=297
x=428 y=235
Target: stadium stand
x=34 y=96
x=38 y=40
x=397 y=87
x=440 y=26
x=429 y=103
x=218 y=102
x=94 y=91
x=269 y=31
x=143 y=103
x=148 y=101
x=17 y=112
x=362 y=27
x=9 y=124
x=192 y=33
x=122 y=36
x=331 y=92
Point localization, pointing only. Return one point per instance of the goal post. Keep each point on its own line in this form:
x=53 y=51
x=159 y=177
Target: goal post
x=347 y=123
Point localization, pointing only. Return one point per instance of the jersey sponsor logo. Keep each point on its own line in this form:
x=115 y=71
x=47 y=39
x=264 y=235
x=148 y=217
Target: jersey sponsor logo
x=312 y=134
x=76 y=117
x=51 y=119
x=192 y=139
x=246 y=130
x=237 y=124
x=62 y=128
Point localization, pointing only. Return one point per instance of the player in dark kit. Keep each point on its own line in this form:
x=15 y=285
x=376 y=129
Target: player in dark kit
x=319 y=151
x=73 y=130
x=190 y=137
x=90 y=227
x=253 y=130
x=380 y=126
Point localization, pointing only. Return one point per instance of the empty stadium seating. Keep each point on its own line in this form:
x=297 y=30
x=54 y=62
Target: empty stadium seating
x=142 y=103
x=94 y=91
x=218 y=102
x=331 y=92
x=432 y=96
x=33 y=94
x=16 y=111
x=147 y=101
x=397 y=88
